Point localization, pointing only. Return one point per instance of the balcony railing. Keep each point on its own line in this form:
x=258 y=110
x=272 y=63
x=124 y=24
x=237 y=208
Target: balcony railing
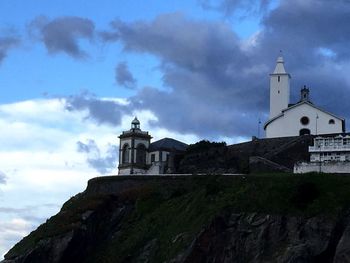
x=333 y=148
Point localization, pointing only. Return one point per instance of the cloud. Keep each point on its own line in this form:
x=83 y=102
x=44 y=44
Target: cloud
x=2 y=178
x=216 y=84
x=295 y=27
x=124 y=77
x=50 y=157
x=6 y=44
x=11 y=231
x=43 y=168
x=102 y=111
x=103 y=164
x=229 y=7
x=62 y=34
x=209 y=91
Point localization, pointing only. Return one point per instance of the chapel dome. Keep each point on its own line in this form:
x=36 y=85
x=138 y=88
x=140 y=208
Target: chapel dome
x=135 y=121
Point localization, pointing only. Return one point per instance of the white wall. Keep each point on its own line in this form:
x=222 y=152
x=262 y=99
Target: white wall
x=156 y=159
x=124 y=171
x=328 y=167
x=290 y=125
x=157 y=156
x=279 y=93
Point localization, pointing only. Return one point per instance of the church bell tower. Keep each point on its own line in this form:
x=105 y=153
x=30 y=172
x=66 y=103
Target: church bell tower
x=279 y=88
x=133 y=149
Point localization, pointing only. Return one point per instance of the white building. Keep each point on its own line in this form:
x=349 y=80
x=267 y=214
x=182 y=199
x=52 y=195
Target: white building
x=329 y=154
x=296 y=119
x=137 y=155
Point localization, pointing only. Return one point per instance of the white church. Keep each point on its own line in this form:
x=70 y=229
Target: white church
x=330 y=152
x=300 y=118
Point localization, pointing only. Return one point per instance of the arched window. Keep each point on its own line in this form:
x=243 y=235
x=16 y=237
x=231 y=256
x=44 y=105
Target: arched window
x=331 y=121
x=304 y=132
x=141 y=154
x=125 y=154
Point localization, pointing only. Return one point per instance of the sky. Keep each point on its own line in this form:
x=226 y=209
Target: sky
x=73 y=74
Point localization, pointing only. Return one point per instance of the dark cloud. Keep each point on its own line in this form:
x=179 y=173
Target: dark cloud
x=3 y=178
x=218 y=84
x=102 y=163
x=6 y=44
x=210 y=79
x=229 y=7
x=63 y=34
x=101 y=111
x=305 y=30
x=124 y=77
x=215 y=84
x=108 y=36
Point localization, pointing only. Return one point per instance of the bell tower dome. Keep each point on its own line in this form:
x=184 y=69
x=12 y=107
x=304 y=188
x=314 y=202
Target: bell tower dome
x=279 y=88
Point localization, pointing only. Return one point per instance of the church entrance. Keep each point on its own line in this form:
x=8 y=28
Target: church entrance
x=304 y=132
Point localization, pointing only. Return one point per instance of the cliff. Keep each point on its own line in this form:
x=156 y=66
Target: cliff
x=265 y=218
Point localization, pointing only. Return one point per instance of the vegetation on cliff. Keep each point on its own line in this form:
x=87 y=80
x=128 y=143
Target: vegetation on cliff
x=159 y=221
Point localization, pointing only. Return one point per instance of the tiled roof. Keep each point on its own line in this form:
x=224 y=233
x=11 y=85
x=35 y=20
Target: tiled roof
x=167 y=144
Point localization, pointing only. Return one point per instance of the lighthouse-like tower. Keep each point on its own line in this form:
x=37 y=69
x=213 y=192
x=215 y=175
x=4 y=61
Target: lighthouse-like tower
x=279 y=88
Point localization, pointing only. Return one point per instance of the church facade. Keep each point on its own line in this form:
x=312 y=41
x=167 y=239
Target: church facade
x=301 y=118
x=137 y=155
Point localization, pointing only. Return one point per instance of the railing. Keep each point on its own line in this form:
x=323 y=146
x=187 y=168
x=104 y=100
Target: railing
x=333 y=148
x=135 y=131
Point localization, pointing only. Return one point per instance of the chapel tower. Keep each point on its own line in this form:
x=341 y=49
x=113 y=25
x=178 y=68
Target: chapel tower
x=279 y=88
x=133 y=150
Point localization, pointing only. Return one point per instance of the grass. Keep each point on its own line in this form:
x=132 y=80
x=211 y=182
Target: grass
x=174 y=221
x=167 y=215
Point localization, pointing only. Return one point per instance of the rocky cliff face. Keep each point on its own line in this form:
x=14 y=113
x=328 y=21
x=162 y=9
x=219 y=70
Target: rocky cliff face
x=237 y=237
x=216 y=219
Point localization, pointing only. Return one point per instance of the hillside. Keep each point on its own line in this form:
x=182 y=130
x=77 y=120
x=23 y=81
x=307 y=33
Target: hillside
x=254 y=218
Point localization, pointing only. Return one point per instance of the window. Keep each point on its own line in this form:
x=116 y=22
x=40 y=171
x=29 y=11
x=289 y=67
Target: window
x=153 y=157
x=125 y=154
x=331 y=121
x=304 y=120
x=279 y=79
x=141 y=154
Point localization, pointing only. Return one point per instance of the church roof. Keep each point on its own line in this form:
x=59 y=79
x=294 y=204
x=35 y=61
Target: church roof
x=167 y=144
x=298 y=104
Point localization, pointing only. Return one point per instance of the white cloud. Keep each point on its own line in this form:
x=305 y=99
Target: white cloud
x=40 y=159
x=39 y=156
x=12 y=231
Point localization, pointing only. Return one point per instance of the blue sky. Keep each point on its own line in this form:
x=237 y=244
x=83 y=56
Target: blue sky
x=29 y=71
x=76 y=72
